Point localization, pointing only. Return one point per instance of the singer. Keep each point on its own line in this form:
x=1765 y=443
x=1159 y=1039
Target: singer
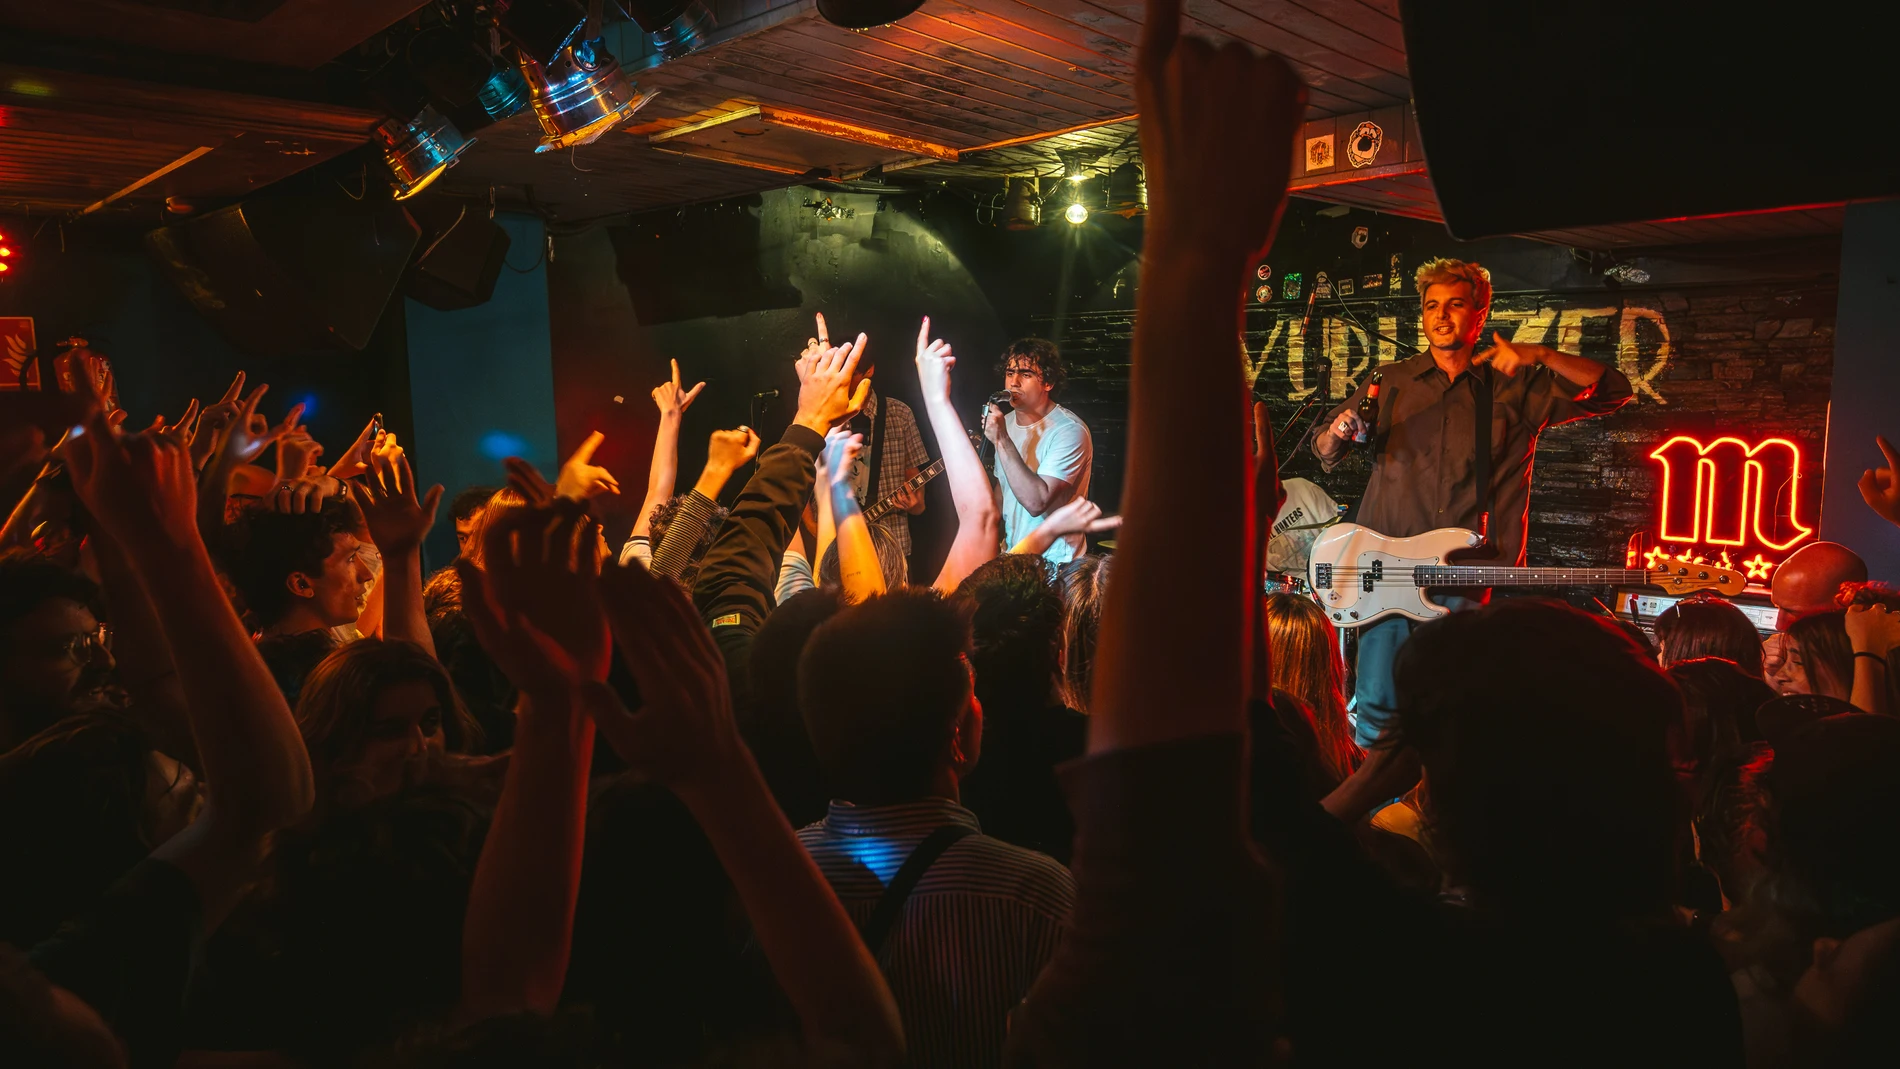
x=1426 y=442
x=1043 y=451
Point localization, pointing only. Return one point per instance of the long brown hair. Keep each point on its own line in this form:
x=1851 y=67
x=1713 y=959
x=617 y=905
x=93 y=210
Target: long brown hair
x=1307 y=664
x=335 y=707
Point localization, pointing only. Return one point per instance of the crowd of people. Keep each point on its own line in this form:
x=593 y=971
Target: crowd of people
x=741 y=790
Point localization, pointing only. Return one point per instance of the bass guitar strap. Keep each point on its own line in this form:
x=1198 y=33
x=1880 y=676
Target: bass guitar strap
x=1481 y=405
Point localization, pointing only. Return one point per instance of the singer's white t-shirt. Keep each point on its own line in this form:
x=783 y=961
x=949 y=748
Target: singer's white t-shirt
x=1057 y=446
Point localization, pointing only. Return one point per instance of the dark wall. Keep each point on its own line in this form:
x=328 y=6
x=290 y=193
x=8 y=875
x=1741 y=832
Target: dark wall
x=1719 y=339
x=97 y=281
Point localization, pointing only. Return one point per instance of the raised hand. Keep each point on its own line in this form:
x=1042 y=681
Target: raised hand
x=297 y=453
x=728 y=451
x=1873 y=628
x=398 y=522
x=139 y=487
x=683 y=735
x=301 y=495
x=525 y=479
x=825 y=396
x=249 y=433
x=1239 y=154
x=533 y=602
x=842 y=449
x=1080 y=516
x=1880 y=487
x=671 y=399
x=933 y=364
x=1507 y=358
x=582 y=479
x=215 y=420
x=355 y=459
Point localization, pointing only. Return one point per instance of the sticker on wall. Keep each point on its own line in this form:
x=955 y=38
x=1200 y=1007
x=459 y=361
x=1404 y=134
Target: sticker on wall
x=1263 y=294
x=1319 y=152
x=18 y=371
x=1345 y=287
x=1372 y=282
x=1360 y=235
x=1290 y=286
x=1322 y=287
x=1363 y=146
x=1395 y=284
x=1263 y=272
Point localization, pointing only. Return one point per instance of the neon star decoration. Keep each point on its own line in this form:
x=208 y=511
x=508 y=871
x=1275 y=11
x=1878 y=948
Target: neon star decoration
x=1656 y=558
x=1758 y=566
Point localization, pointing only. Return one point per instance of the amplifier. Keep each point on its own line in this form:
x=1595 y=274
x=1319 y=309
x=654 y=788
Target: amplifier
x=1643 y=605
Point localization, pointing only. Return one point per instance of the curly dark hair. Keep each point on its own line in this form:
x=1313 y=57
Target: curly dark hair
x=273 y=545
x=1016 y=629
x=1043 y=354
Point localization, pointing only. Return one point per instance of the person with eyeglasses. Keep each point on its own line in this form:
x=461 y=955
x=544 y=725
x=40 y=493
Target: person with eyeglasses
x=55 y=655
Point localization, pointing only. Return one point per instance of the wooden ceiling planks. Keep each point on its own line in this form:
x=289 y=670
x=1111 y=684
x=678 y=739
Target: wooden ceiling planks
x=961 y=73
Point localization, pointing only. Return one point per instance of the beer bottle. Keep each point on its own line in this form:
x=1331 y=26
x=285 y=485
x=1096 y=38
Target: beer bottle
x=1369 y=409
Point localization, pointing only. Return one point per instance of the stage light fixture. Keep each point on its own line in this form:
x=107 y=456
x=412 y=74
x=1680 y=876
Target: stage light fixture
x=1076 y=214
x=1127 y=190
x=1023 y=206
x=864 y=14
x=678 y=27
x=503 y=94
x=581 y=95
x=418 y=151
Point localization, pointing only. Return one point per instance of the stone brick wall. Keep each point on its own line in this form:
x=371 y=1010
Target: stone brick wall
x=1748 y=359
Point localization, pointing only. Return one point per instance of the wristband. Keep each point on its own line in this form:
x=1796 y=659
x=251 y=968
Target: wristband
x=1875 y=657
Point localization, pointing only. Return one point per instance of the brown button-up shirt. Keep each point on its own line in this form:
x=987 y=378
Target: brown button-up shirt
x=1425 y=445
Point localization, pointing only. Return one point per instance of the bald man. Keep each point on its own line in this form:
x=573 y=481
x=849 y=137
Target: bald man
x=1806 y=584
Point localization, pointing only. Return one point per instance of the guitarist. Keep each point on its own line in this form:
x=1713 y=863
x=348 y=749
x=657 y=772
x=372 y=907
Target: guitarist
x=893 y=454
x=1425 y=466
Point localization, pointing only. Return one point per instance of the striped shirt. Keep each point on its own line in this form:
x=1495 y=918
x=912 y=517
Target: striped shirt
x=974 y=935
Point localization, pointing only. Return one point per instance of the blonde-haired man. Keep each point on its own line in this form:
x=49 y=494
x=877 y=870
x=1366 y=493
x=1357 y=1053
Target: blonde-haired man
x=1424 y=465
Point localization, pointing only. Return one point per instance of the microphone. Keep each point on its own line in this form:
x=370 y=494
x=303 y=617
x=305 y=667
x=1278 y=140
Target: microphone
x=1306 y=324
x=765 y=395
x=1323 y=389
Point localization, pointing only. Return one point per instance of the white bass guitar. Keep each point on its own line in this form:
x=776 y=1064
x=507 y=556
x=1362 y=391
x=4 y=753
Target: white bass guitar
x=1360 y=576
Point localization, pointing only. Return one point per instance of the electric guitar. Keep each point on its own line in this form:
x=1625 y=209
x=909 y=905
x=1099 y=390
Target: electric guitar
x=888 y=503
x=1360 y=576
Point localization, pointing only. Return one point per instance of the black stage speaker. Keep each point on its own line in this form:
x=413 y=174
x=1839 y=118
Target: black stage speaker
x=462 y=252
x=306 y=266
x=1548 y=116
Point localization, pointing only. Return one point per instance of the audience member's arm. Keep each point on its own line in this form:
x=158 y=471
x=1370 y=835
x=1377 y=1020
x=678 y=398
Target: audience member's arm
x=1880 y=488
x=243 y=439
x=741 y=568
x=825 y=532
x=535 y=611
x=257 y=774
x=1080 y=516
x=685 y=737
x=1874 y=631
x=664 y=470
x=979 y=527
x=859 y=573
x=1187 y=420
x=726 y=452
x=144 y=656
x=398 y=523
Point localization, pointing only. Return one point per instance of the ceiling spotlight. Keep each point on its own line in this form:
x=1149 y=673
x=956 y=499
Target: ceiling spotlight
x=1127 y=190
x=678 y=27
x=419 y=150
x=1023 y=205
x=579 y=96
x=1076 y=214
x=864 y=14
x=503 y=94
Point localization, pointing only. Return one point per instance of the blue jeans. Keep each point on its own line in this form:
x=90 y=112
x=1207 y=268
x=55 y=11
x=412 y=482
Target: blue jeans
x=1374 y=697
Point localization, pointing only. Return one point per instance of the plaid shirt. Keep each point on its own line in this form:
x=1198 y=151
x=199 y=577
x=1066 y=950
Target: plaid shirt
x=906 y=452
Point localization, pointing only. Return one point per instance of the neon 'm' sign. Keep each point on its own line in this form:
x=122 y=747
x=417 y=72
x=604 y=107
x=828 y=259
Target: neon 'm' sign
x=1728 y=496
